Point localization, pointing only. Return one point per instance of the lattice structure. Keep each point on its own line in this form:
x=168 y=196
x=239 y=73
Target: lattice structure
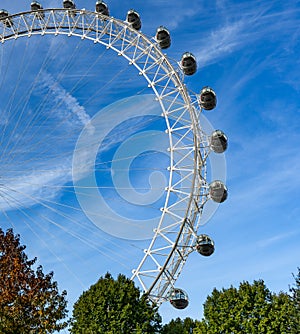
x=175 y=235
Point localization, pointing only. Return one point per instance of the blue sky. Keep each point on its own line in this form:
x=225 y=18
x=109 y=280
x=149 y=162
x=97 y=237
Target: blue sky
x=248 y=51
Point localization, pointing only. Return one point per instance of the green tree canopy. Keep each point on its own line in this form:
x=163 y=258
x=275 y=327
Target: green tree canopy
x=29 y=300
x=179 y=326
x=295 y=291
x=114 y=307
x=251 y=308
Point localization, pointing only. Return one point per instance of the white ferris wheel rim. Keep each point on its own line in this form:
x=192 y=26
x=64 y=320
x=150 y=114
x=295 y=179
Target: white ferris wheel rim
x=167 y=260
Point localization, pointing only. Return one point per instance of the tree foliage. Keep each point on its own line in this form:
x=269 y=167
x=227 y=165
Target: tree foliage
x=295 y=291
x=251 y=308
x=114 y=307
x=179 y=326
x=29 y=300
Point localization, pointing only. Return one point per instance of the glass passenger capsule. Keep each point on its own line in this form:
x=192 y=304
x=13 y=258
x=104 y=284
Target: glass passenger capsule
x=3 y=14
x=102 y=8
x=208 y=98
x=69 y=4
x=218 y=191
x=163 y=37
x=36 y=6
x=205 y=245
x=133 y=18
x=188 y=63
x=178 y=298
x=218 y=141
x=5 y=19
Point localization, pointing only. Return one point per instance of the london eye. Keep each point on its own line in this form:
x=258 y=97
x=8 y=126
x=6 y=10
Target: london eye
x=99 y=131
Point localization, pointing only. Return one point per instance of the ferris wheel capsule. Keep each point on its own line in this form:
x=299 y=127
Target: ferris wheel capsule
x=102 y=8
x=179 y=298
x=205 y=245
x=133 y=18
x=69 y=4
x=35 y=6
x=208 y=98
x=218 y=141
x=218 y=191
x=163 y=37
x=5 y=19
x=188 y=63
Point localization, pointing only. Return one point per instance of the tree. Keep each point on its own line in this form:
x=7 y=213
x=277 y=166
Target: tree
x=114 y=307
x=251 y=308
x=29 y=300
x=179 y=326
x=295 y=291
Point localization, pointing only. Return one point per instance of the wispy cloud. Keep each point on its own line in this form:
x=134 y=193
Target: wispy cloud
x=272 y=173
x=64 y=99
x=274 y=239
x=104 y=123
x=42 y=169
x=221 y=42
x=31 y=188
x=247 y=25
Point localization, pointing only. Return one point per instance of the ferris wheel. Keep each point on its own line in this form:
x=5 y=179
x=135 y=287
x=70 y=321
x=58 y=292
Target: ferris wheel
x=174 y=146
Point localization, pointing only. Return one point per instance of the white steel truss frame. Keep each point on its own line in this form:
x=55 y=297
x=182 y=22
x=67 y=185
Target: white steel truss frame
x=174 y=237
